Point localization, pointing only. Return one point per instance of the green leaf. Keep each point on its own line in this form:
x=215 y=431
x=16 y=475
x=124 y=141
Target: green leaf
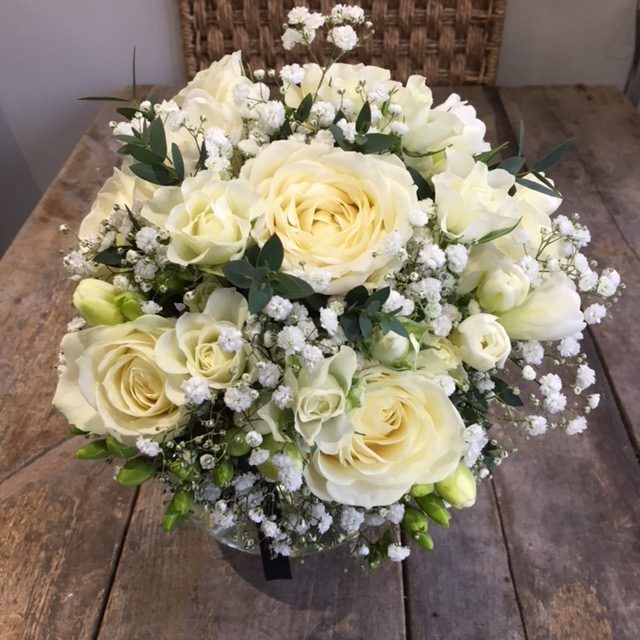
x=127 y=112
x=239 y=273
x=120 y=450
x=178 y=161
x=200 y=165
x=170 y=521
x=252 y=253
x=181 y=503
x=111 y=257
x=338 y=136
x=74 y=431
x=397 y=327
x=95 y=450
x=157 y=138
x=425 y=190
x=292 y=287
x=260 y=293
x=135 y=472
x=536 y=186
x=140 y=153
x=513 y=165
x=130 y=140
x=272 y=253
x=497 y=233
x=378 y=142
x=366 y=326
x=505 y=393
x=521 y=139
x=156 y=173
x=350 y=325
x=379 y=296
x=363 y=121
x=104 y=99
x=553 y=157
x=339 y=116
x=285 y=130
x=304 y=108
x=357 y=296
x=488 y=156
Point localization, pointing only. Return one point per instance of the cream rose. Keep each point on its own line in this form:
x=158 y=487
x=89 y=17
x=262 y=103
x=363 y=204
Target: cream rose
x=320 y=403
x=112 y=384
x=549 y=312
x=208 y=219
x=472 y=201
x=503 y=288
x=333 y=210
x=193 y=349
x=482 y=342
x=405 y=432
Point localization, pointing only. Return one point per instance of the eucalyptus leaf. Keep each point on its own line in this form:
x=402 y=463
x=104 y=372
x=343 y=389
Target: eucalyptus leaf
x=135 y=472
x=381 y=296
x=378 y=142
x=304 y=108
x=513 y=165
x=357 y=296
x=127 y=112
x=157 y=138
x=156 y=174
x=291 y=287
x=178 y=161
x=366 y=326
x=553 y=157
x=112 y=257
x=239 y=273
x=397 y=327
x=488 y=156
x=104 y=99
x=497 y=233
x=260 y=292
x=338 y=136
x=425 y=190
x=140 y=153
x=272 y=253
x=363 y=121
x=350 y=325
x=536 y=186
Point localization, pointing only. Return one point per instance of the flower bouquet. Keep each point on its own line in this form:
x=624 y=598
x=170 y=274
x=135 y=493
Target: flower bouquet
x=320 y=311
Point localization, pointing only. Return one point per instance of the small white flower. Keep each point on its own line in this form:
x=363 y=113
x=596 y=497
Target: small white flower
x=283 y=397
x=432 y=256
x=291 y=340
x=532 y=352
x=329 y=321
x=150 y=307
x=594 y=313
x=585 y=377
x=344 y=37
x=536 y=425
x=268 y=374
x=148 y=447
x=398 y=128
x=292 y=73
x=258 y=456
x=278 y=308
x=588 y=281
x=457 y=257
x=147 y=239
x=396 y=513
x=607 y=286
x=348 y=129
x=577 y=425
x=230 y=339
x=531 y=269
x=324 y=112
x=244 y=481
x=196 y=390
x=397 y=301
x=311 y=356
x=174 y=116
x=239 y=398
x=398 y=553
x=76 y=324
x=351 y=519
x=324 y=136
x=207 y=461
x=290 y=38
x=475 y=439
x=593 y=400
x=217 y=143
x=253 y=438
x=271 y=116
x=528 y=372
x=569 y=347
x=446 y=383
x=145 y=269
x=555 y=402
x=392 y=244
x=550 y=383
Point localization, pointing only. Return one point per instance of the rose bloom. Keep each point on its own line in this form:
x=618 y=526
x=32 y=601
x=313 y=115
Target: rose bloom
x=405 y=432
x=191 y=348
x=112 y=383
x=482 y=342
x=332 y=209
x=208 y=219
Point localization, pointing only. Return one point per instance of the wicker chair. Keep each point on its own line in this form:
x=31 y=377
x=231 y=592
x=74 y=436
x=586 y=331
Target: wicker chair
x=451 y=42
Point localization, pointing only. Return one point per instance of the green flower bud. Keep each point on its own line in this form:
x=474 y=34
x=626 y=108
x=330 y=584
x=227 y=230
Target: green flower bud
x=268 y=469
x=182 y=471
x=171 y=521
x=419 y=490
x=181 y=503
x=236 y=442
x=459 y=489
x=223 y=473
x=414 y=521
x=129 y=305
x=95 y=302
x=434 y=507
x=424 y=540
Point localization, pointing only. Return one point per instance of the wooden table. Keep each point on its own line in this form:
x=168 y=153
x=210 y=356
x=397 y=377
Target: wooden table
x=549 y=551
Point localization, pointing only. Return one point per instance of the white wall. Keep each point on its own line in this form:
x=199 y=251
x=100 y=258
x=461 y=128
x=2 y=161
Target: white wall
x=53 y=51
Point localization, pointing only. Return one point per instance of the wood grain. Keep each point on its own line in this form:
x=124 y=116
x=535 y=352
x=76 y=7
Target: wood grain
x=589 y=190
x=185 y=585
x=62 y=523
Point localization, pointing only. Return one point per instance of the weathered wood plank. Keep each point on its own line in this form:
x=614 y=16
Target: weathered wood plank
x=572 y=535
x=62 y=523
x=464 y=589
x=35 y=301
x=206 y=591
x=590 y=191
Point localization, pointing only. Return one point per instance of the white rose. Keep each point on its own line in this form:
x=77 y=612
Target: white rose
x=191 y=349
x=405 y=432
x=333 y=210
x=112 y=383
x=208 y=219
x=550 y=312
x=392 y=349
x=320 y=402
x=470 y=200
x=503 y=288
x=481 y=342
x=120 y=189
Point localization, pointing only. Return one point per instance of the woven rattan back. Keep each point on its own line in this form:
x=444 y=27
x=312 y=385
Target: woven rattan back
x=451 y=42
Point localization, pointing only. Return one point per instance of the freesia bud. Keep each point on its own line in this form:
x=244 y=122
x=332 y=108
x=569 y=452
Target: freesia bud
x=414 y=521
x=434 y=507
x=95 y=302
x=223 y=473
x=459 y=489
x=420 y=490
